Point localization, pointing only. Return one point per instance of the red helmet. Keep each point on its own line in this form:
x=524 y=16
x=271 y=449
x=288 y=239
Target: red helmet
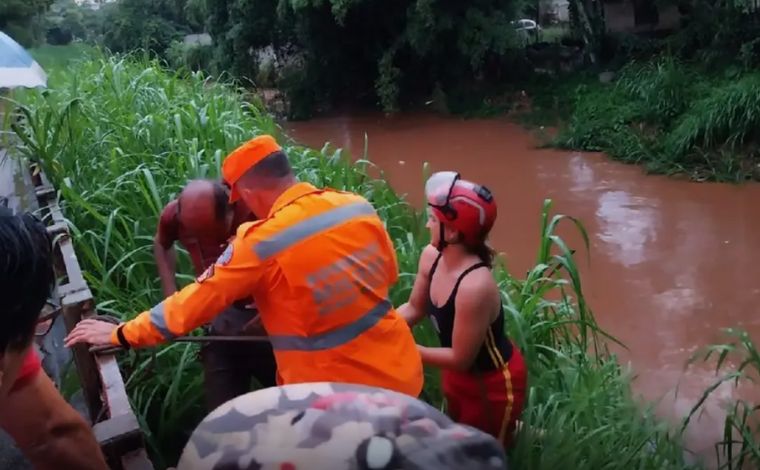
x=462 y=205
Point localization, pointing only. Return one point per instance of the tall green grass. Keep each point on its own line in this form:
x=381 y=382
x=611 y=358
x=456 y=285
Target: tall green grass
x=52 y=57
x=737 y=361
x=120 y=136
x=672 y=117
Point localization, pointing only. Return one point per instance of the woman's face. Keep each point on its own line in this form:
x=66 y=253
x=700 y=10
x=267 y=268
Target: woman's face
x=434 y=225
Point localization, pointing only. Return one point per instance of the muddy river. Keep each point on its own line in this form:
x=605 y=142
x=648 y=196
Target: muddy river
x=671 y=261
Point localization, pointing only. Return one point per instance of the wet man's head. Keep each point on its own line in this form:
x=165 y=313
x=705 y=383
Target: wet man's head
x=203 y=205
x=26 y=281
x=258 y=172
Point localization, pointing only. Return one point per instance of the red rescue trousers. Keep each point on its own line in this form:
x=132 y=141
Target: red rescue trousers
x=490 y=401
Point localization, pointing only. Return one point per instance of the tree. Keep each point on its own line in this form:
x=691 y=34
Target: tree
x=66 y=21
x=371 y=51
x=151 y=25
x=588 y=20
x=23 y=20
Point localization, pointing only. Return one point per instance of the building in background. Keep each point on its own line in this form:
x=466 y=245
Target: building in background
x=553 y=11
x=640 y=16
x=621 y=16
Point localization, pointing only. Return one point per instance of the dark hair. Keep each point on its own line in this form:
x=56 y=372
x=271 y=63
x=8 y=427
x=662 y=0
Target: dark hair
x=272 y=167
x=26 y=277
x=483 y=251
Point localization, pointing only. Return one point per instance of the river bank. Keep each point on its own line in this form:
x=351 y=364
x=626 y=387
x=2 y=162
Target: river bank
x=657 y=243
x=665 y=114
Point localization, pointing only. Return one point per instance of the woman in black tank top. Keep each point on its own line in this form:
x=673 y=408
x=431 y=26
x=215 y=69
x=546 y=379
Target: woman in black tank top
x=483 y=373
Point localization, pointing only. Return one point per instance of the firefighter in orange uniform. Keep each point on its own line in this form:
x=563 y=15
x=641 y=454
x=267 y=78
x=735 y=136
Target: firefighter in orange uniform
x=319 y=266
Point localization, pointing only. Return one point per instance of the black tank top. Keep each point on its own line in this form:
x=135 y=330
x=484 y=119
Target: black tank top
x=496 y=349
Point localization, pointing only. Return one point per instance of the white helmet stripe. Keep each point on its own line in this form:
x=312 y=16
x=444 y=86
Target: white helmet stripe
x=481 y=211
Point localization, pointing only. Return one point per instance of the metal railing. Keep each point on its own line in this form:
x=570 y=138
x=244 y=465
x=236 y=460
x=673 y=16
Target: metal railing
x=113 y=420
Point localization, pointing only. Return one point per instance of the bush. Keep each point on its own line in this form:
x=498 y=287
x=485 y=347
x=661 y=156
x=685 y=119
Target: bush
x=672 y=116
x=193 y=57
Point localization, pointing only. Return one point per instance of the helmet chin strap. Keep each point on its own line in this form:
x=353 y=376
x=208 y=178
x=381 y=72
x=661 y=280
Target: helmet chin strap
x=441 y=239
x=442 y=243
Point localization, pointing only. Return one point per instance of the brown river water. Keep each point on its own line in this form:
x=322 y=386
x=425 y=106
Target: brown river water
x=671 y=261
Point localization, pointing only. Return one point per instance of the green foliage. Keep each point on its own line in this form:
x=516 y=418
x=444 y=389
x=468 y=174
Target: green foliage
x=194 y=57
x=587 y=20
x=302 y=95
x=368 y=51
x=386 y=85
x=120 y=136
x=685 y=103
x=148 y=25
x=661 y=89
x=717 y=33
x=739 y=360
x=53 y=57
x=672 y=116
x=239 y=26
x=726 y=116
x=67 y=21
x=22 y=20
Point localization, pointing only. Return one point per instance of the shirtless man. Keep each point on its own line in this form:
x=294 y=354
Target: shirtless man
x=202 y=221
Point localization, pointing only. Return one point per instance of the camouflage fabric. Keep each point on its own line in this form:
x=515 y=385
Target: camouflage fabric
x=330 y=426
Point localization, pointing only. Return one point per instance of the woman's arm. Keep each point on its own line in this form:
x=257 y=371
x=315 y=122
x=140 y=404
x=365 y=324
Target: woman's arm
x=476 y=300
x=414 y=310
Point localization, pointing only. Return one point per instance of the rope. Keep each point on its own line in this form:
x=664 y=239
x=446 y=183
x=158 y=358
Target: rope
x=112 y=349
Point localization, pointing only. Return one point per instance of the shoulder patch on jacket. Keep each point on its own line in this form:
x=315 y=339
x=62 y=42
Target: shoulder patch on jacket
x=225 y=258
x=205 y=275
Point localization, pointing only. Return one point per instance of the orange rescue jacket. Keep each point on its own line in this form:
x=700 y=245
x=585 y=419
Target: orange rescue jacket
x=319 y=268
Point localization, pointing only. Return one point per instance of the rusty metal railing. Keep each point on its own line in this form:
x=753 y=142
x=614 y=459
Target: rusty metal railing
x=113 y=420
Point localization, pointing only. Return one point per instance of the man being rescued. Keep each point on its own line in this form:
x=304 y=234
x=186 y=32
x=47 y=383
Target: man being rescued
x=202 y=221
x=319 y=265
x=484 y=377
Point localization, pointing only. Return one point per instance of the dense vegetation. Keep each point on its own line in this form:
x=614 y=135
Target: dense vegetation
x=367 y=52
x=21 y=19
x=686 y=103
x=682 y=103
x=376 y=52
x=670 y=117
x=120 y=136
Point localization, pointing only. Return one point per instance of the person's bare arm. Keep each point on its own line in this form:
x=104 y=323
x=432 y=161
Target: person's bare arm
x=414 y=310
x=477 y=297
x=234 y=276
x=166 y=263
x=164 y=253
x=50 y=433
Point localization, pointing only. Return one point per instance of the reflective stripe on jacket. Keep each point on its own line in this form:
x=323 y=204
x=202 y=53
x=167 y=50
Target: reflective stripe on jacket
x=319 y=268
